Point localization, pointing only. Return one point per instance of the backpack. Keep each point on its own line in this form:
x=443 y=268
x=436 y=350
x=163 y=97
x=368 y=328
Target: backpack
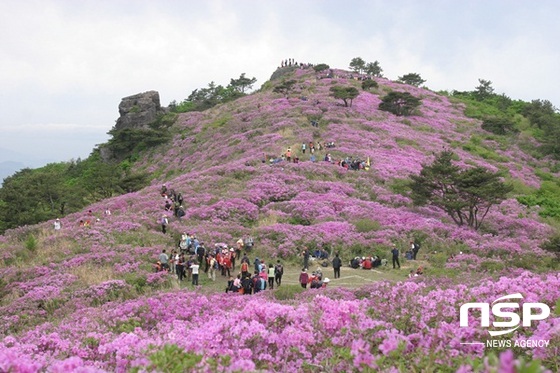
x=279 y=269
x=215 y=266
x=244 y=267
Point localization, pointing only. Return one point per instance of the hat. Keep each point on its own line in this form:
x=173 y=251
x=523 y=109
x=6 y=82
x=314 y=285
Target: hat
x=231 y=249
x=326 y=280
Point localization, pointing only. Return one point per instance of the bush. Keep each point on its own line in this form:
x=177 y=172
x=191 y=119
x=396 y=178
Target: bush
x=31 y=243
x=173 y=359
x=369 y=84
x=321 y=67
x=552 y=245
x=499 y=125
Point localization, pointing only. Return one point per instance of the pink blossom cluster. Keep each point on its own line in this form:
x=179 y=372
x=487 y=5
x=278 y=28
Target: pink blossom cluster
x=384 y=326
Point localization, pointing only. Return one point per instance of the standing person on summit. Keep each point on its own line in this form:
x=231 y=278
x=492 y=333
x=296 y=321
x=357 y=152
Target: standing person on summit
x=395 y=253
x=336 y=263
x=303 y=146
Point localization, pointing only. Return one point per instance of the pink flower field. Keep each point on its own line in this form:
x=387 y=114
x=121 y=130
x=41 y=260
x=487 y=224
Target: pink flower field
x=86 y=299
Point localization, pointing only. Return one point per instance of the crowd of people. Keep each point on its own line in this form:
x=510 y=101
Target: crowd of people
x=349 y=163
x=192 y=258
x=290 y=62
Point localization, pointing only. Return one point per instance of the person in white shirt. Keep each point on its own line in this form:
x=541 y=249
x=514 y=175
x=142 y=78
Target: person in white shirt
x=194 y=267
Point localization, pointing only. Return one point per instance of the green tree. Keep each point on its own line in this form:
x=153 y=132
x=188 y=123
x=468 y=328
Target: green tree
x=242 y=83
x=346 y=94
x=499 y=125
x=321 y=67
x=357 y=64
x=369 y=84
x=540 y=113
x=399 y=103
x=551 y=137
x=374 y=69
x=466 y=195
x=285 y=87
x=413 y=79
x=32 y=196
x=484 y=90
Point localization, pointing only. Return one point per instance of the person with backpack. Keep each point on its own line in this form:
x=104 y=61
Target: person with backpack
x=278 y=272
x=247 y=284
x=244 y=269
x=164 y=224
x=336 y=263
x=415 y=247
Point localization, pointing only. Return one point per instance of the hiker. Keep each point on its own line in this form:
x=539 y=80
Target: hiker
x=164 y=224
x=259 y=283
x=212 y=267
x=229 y=286
x=278 y=272
x=336 y=263
x=395 y=253
x=303 y=278
x=244 y=268
x=305 y=255
x=303 y=146
x=194 y=267
x=180 y=267
x=271 y=275
x=247 y=284
x=289 y=155
x=164 y=260
x=57 y=224
x=415 y=247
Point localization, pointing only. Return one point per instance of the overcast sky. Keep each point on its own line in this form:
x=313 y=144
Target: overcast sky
x=65 y=65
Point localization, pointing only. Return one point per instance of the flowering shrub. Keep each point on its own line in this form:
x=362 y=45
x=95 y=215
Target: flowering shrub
x=70 y=299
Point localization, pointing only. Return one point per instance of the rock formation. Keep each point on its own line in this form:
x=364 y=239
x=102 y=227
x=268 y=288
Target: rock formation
x=139 y=111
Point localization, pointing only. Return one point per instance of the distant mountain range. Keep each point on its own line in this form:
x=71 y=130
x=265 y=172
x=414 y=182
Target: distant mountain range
x=12 y=161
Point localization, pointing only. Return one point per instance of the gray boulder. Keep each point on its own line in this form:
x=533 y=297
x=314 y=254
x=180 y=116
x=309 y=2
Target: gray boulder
x=139 y=111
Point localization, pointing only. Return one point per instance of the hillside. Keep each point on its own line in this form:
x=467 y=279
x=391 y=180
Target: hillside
x=87 y=296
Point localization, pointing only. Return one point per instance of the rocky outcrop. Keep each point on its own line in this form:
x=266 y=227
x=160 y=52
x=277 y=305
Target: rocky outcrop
x=139 y=111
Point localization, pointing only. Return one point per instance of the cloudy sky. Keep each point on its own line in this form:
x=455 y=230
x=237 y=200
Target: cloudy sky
x=65 y=64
